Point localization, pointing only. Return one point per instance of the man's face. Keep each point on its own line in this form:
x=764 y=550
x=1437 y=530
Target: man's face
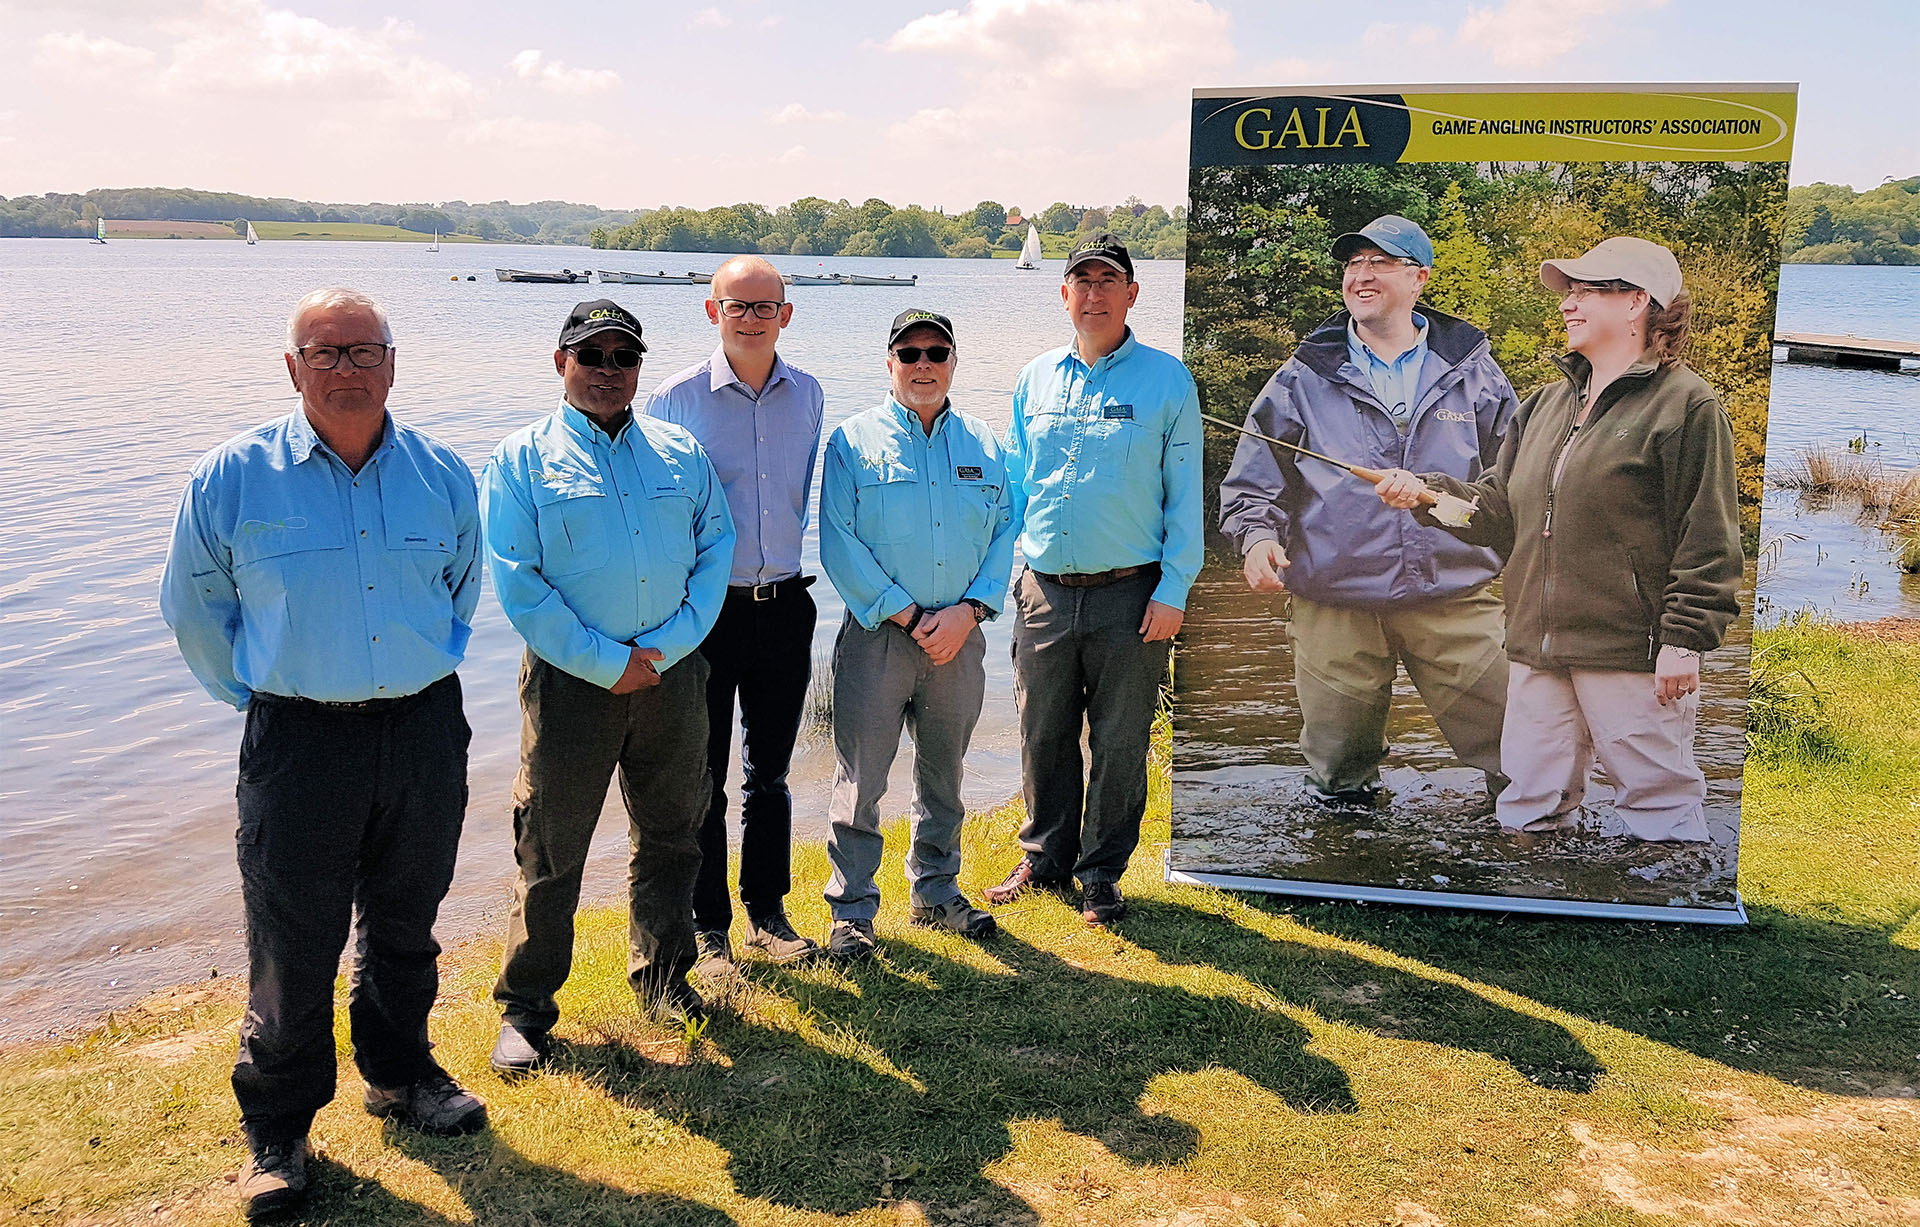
x=1098 y=297
x=1379 y=288
x=748 y=336
x=346 y=390
x=602 y=391
x=921 y=386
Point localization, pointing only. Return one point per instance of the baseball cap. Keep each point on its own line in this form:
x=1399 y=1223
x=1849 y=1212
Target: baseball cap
x=599 y=315
x=906 y=321
x=1392 y=234
x=1103 y=247
x=1634 y=261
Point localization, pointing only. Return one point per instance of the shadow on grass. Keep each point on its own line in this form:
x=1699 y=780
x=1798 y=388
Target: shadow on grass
x=1818 y=1003
x=917 y=1065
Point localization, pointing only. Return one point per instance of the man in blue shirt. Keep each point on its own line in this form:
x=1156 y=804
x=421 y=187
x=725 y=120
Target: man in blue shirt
x=1104 y=455
x=1391 y=383
x=759 y=419
x=609 y=541
x=322 y=579
x=916 y=531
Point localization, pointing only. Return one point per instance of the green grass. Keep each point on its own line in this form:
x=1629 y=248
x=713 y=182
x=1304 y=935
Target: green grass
x=355 y=231
x=1215 y=1059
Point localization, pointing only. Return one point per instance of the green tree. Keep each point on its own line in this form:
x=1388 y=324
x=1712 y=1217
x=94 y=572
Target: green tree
x=907 y=233
x=1059 y=218
x=861 y=243
x=972 y=247
x=988 y=219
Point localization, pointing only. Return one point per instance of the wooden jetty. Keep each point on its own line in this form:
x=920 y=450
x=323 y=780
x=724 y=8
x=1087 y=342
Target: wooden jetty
x=1847 y=350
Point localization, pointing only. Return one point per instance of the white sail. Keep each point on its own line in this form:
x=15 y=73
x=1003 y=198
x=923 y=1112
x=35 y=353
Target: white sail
x=100 y=230
x=1030 y=250
x=253 y=236
x=435 y=245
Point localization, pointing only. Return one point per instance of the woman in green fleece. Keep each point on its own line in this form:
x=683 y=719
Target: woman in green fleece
x=1614 y=498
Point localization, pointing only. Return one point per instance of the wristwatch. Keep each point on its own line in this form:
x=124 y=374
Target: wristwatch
x=981 y=610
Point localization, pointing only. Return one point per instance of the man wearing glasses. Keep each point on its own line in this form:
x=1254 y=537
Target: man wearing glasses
x=759 y=419
x=609 y=540
x=322 y=578
x=1391 y=383
x=1104 y=455
x=916 y=531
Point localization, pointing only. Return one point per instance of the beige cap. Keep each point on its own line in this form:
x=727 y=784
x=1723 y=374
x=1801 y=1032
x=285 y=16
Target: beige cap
x=1634 y=261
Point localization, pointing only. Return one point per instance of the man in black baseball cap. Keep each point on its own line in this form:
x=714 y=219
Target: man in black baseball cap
x=599 y=315
x=1104 y=248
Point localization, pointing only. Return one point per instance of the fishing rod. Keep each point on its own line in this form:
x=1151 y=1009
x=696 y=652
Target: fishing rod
x=1449 y=509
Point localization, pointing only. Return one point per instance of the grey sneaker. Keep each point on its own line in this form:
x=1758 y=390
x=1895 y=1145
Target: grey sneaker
x=435 y=1105
x=675 y=1003
x=851 y=940
x=274 y=1180
x=956 y=915
x=774 y=937
x=713 y=959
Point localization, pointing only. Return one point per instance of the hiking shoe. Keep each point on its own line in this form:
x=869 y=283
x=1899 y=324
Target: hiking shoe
x=274 y=1180
x=1023 y=879
x=956 y=915
x=519 y=1051
x=775 y=938
x=713 y=959
x=1101 y=904
x=851 y=940
x=675 y=1003
x=436 y=1105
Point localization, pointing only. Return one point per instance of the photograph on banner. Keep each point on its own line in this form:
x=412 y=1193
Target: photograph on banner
x=1485 y=376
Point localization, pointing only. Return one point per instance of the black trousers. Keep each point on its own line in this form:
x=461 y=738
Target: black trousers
x=349 y=823
x=763 y=651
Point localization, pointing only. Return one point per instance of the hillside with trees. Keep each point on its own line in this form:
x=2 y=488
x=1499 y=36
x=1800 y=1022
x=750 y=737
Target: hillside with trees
x=1831 y=223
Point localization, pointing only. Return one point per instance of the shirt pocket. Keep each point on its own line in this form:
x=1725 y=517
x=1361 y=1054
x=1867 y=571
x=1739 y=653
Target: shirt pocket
x=421 y=543
x=572 y=516
x=1112 y=448
x=979 y=503
x=283 y=565
x=670 y=523
x=887 y=505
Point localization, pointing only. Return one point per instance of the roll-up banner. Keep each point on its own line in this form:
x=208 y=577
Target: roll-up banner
x=1485 y=375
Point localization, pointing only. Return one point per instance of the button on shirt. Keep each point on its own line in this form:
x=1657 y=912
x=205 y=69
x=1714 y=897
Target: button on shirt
x=1396 y=383
x=1105 y=461
x=290 y=574
x=763 y=448
x=908 y=518
x=598 y=545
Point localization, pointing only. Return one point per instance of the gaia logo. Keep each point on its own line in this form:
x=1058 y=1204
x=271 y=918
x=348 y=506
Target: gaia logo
x=1241 y=130
x=1295 y=128
x=253 y=528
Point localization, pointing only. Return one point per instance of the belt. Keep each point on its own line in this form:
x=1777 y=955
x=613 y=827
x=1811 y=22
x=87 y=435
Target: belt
x=1098 y=579
x=767 y=592
x=362 y=705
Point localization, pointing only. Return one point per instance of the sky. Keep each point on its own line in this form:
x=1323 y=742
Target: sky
x=638 y=104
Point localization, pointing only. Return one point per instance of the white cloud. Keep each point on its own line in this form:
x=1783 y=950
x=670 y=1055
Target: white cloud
x=709 y=19
x=554 y=75
x=792 y=154
x=800 y=113
x=1525 y=33
x=80 y=55
x=1142 y=43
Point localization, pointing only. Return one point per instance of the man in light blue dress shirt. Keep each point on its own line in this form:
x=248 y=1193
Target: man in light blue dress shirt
x=1104 y=452
x=759 y=419
x=322 y=578
x=916 y=532
x=609 y=542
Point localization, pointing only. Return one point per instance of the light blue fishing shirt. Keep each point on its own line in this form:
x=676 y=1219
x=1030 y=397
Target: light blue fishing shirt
x=290 y=574
x=1105 y=461
x=598 y=545
x=911 y=518
x=1396 y=383
x=762 y=446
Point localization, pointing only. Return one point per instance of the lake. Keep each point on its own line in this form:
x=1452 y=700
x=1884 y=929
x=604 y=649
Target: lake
x=116 y=805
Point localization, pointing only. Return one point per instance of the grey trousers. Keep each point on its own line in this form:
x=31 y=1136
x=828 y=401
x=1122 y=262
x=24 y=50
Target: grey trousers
x=573 y=735
x=1078 y=655
x=883 y=680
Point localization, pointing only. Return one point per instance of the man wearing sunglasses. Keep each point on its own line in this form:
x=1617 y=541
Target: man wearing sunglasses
x=1104 y=449
x=322 y=578
x=609 y=540
x=916 y=532
x=1392 y=383
x=759 y=419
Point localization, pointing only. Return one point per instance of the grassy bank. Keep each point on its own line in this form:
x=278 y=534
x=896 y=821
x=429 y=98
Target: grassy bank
x=351 y=231
x=1214 y=1060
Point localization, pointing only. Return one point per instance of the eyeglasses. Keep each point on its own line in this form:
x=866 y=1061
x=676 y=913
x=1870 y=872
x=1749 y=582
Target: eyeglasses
x=626 y=357
x=1579 y=291
x=326 y=357
x=935 y=354
x=1102 y=285
x=737 y=308
x=1378 y=264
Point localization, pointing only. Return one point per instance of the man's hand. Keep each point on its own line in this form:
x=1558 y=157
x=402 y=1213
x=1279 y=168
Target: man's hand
x=1161 y=622
x=1675 y=673
x=904 y=618
x=640 y=673
x=943 y=633
x=1265 y=561
x=1399 y=488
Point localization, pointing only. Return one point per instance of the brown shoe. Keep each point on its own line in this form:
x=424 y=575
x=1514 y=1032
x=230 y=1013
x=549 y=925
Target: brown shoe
x=274 y=1180
x=1022 y=880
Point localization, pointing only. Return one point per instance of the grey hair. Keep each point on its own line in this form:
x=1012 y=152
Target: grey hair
x=331 y=298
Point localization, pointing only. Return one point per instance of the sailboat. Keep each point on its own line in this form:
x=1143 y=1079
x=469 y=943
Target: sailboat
x=99 y=229
x=435 y=245
x=253 y=236
x=1030 y=250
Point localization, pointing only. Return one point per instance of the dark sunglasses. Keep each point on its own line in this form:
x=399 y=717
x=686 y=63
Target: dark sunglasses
x=936 y=354
x=626 y=358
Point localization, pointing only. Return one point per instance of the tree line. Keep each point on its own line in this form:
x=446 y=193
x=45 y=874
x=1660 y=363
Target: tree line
x=1831 y=223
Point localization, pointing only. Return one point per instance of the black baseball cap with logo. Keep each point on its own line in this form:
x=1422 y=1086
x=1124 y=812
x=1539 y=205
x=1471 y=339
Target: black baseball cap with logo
x=906 y=321
x=599 y=315
x=1105 y=248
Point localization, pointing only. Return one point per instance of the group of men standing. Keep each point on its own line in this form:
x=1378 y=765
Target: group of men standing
x=324 y=572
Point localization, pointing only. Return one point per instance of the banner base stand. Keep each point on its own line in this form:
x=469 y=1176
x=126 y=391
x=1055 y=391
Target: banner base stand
x=1735 y=915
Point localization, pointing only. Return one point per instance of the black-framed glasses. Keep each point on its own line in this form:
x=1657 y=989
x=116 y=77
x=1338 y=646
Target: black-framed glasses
x=935 y=354
x=737 y=308
x=1378 y=263
x=327 y=357
x=626 y=357
x=1579 y=290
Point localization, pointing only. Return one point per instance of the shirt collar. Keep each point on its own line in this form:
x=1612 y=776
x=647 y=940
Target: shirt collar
x=1362 y=354
x=1126 y=347
x=303 y=440
x=722 y=373
x=909 y=418
x=585 y=427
